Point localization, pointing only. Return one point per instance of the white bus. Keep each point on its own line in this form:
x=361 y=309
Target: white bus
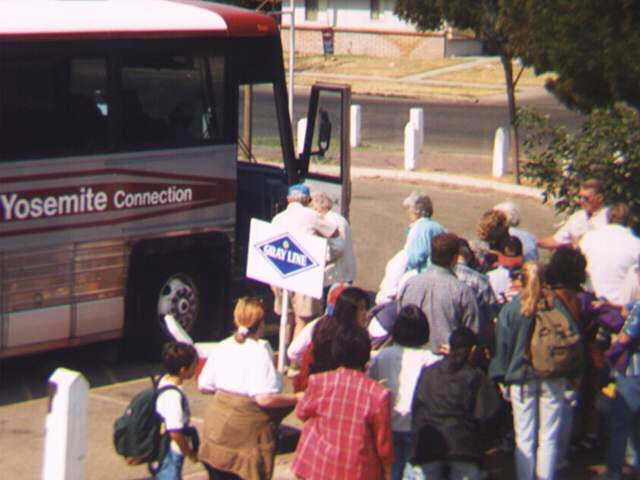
x=123 y=191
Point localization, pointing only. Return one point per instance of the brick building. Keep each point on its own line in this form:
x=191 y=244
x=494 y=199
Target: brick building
x=370 y=28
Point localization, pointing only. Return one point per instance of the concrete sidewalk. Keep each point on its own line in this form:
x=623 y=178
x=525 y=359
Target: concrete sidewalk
x=478 y=61
x=447 y=179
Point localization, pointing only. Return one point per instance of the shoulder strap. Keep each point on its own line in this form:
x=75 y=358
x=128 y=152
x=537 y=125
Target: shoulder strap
x=164 y=388
x=569 y=301
x=183 y=397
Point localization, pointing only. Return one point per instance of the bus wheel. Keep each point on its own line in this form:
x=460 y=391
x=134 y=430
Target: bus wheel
x=175 y=285
x=180 y=297
x=182 y=287
x=185 y=277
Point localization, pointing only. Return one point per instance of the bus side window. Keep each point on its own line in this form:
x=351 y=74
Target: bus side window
x=140 y=128
x=87 y=124
x=183 y=123
x=171 y=100
x=88 y=107
x=48 y=107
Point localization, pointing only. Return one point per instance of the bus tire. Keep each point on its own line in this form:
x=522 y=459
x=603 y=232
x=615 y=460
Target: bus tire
x=190 y=283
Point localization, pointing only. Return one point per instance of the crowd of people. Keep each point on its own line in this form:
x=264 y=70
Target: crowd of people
x=445 y=362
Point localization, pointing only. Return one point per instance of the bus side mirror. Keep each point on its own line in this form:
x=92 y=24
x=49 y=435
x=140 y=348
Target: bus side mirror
x=324 y=133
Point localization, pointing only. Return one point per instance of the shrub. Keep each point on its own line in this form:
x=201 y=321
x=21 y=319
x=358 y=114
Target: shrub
x=606 y=147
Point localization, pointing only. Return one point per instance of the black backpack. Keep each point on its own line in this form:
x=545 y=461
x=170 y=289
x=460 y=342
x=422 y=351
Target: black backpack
x=137 y=434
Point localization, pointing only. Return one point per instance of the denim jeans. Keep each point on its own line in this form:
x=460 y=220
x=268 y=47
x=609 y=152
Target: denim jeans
x=624 y=424
x=457 y=471
x=537 y=410
x=569 y=406
x=171 y=466
x=401 y=446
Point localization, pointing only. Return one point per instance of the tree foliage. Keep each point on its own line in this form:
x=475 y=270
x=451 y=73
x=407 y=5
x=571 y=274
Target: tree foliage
x=607 y=147
x=592 y=45
x=493 y=21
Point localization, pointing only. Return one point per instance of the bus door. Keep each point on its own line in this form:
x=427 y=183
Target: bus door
x=325 y=158
x=267 y=161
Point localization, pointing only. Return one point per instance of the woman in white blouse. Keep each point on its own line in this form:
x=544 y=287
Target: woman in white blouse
x=247 y=405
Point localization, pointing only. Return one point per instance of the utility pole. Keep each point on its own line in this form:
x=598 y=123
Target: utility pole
x=292 y=55
x=247 y=115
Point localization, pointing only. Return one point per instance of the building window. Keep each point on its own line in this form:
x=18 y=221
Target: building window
x=375 y=9
x=311 y=9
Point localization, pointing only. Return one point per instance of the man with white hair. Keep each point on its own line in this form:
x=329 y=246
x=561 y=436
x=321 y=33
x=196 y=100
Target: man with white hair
x=422 y=229
x=529 y=241
x=341 y=264
x=298 y=217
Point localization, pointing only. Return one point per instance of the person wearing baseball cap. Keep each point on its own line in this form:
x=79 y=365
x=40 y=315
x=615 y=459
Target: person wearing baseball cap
x=299 y=218
x=299 y=190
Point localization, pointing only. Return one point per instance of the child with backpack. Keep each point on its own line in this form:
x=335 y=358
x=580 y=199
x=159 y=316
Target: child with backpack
x=179 y=359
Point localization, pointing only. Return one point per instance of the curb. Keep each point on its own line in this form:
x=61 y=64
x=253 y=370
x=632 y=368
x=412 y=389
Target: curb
x=437 y=178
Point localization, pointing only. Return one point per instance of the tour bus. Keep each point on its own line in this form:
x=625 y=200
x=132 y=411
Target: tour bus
x=125 y=190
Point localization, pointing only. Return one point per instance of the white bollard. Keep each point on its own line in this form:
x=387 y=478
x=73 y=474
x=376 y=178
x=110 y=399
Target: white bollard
x=65 y=447
x=501 y=152
x=356 y=124
x=410 y=146
x=416 y=116
x=302 y=132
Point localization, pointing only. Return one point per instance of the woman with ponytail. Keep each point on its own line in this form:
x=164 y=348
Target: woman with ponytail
x=536 y=402
x=242 y=418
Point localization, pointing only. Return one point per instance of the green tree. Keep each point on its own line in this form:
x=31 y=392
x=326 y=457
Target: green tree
x=592 y=45
x=495 y=22
x=607 y=147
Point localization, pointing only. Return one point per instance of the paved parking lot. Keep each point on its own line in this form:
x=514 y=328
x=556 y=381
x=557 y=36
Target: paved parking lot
x=379 y=228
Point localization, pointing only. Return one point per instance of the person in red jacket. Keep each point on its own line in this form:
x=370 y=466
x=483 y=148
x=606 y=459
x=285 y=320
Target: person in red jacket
x=347 y=417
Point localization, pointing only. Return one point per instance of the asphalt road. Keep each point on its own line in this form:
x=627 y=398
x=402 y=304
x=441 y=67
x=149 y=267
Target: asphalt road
x=461 y=126
x=379 y=224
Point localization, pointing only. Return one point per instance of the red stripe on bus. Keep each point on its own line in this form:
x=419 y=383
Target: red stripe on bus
x=142 y=216
x=113 y=171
